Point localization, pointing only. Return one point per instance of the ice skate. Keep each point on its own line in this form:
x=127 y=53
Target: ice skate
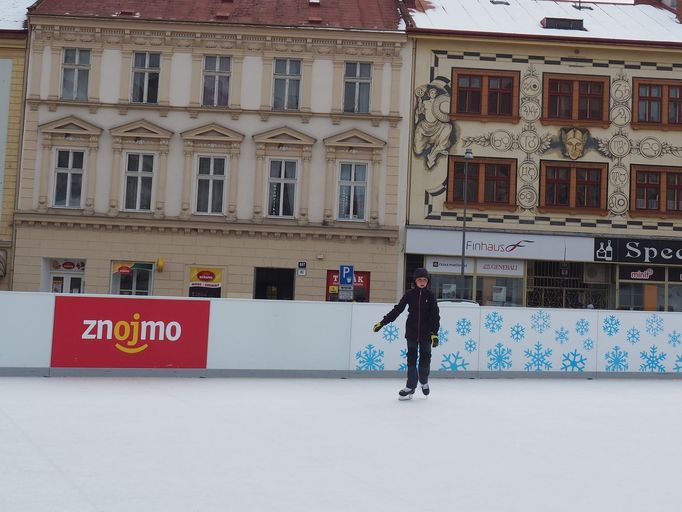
x=405 y=394
x=425 y=389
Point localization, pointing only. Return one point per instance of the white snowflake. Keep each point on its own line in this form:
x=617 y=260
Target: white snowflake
x=540 y=321
x=470 y=345
x=582 y=327
x=517 y=332
x=674 y=338
x=463 y=327
x=561 y=336
x=654 y=324
x=633 y=335
x=611 y=325
x=493 y=321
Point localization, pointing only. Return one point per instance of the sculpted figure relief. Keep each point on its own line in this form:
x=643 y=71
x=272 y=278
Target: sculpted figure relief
x=433 y=133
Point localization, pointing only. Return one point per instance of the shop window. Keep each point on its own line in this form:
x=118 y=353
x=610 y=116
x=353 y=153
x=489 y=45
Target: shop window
x=274 y=283
x=205 y=282
x=485 y=95
x=577 y=187
x=66 y=276
x=490 y=183
x=657 y=104
x=576 y=99
x=656 y=190
x=499 y=291
x=130 y=278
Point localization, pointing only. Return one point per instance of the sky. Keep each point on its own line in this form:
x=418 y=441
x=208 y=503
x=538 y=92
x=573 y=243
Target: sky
x=266 y=444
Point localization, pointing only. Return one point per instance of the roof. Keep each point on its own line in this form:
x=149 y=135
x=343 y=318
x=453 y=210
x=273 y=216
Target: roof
x=602 y=21
x=356 y=14
x=13 y=14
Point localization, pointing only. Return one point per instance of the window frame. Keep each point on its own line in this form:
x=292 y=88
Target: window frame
x=215 y=74
x=575 y=119
x=211 y=178
x=115 y=287
x=572 y=188
x=70 y=172
x=353 y=185
x=288 y=78
x=484 y=115
x=283 y=181
x=139 y=175
x=479 y=201
x=664 y=124
x=357 y=80
x=147 y=71
x=78 y=69
x=663 y=172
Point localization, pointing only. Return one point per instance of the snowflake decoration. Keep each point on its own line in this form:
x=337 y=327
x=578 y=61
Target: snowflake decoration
x=499 y=357
x=633 y=335
x=617 y=360
x=470 y=345
x=517 y=332
x=675 y=338
x=654 y=324
x=463 y=327
x=561 y=336
x=582 y=327
x=370 y=358
x=403 y=364
x=443 y=335
x=678 y=364
x=538 y=358
x=540 y=321
x=493 y=321
x=573 y=362
x=651 y=361
x=453 y=363
x=390 y=333
x=588 y=344
x=611 y=325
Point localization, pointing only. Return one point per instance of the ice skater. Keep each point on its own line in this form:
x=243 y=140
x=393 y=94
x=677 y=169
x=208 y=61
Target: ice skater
x=421 y=331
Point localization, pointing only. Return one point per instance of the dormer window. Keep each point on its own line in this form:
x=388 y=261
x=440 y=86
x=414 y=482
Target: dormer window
x=563 y=23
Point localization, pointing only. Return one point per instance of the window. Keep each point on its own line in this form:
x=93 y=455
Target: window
x=138 y=181
x=287 y=84
x=210 y=184
x=566 y=186
x=490 y=182
x=132 y=278
x=282 y=188
x=485 y=94
x=216 y=81
x=657 y=190
x=68 y=178
x=75 y=74
x=657 y=104
x=570 y=98
x=356 y=87
x=146 y=68
x=352 y=191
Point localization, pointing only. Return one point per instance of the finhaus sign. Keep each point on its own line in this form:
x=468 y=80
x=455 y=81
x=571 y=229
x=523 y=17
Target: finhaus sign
x=620 y=250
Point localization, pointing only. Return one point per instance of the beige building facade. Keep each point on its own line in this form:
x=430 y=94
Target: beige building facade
x=210 y=159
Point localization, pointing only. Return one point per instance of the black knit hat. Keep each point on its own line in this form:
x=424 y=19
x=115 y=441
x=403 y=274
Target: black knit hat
x=421 y=272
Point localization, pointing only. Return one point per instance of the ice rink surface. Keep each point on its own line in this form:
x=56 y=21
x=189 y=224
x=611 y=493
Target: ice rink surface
x=279 y=445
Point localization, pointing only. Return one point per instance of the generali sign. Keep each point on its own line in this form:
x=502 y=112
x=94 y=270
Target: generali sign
x=93 y=332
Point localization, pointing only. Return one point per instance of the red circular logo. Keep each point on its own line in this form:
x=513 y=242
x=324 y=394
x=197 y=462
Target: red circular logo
x=205 y=275
x=125 y=270
x=68 y=265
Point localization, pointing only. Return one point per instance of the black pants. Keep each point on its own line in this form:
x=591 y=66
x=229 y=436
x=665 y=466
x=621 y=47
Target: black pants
x=421 y=373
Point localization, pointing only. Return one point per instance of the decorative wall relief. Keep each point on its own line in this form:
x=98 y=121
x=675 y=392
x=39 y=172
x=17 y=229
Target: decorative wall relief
x=434 y=133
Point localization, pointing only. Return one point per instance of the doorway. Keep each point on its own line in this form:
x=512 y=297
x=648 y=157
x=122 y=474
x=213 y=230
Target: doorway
x=274 y=283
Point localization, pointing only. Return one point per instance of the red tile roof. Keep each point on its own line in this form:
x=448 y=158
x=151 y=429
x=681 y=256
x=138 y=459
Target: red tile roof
x=357 y=14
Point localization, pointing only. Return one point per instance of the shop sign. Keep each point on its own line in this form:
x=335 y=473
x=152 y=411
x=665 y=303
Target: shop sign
x=448 y=265
x=361 y=285
x=641 y=273
x=67 y=265
x=99 y=332
x=490 y=267
x=621 y=250
x=205 y=277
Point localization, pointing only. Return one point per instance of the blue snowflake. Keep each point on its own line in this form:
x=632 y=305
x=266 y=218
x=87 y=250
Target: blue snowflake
x=470 y=345
x=617 y=360
x=370 y=358
x=517 y=332
x=611 y=325
x=453 y=363
x=403 y=364
x=678 y=364
x=463 y=327
x=588 y=344
x=540 y=321
x=538 y=358
x=499 y=357
x=561 y=336
x=654 y=324
x=493 y=321
x=674 y=338
x=573 y=362
x=443 y=336
x=651 y=361
x=582 y=327
x=633 y=335
x=390 y=333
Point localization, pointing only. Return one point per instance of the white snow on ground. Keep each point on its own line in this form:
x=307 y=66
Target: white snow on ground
x=13 y=13
x=153 y=444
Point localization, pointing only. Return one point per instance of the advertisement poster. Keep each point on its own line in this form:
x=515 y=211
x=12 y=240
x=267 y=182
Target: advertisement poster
x=205 y=282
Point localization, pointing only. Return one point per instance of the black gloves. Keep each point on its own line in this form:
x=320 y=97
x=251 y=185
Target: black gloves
x=377 y=327
x=434 y=340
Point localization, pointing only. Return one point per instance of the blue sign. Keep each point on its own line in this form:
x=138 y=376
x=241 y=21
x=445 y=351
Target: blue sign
x=346 y=275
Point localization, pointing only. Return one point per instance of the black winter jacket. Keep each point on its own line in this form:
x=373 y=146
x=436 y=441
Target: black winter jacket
x=423 y=317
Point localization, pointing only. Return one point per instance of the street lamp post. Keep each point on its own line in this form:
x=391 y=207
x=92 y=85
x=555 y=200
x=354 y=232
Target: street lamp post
x=468 y=155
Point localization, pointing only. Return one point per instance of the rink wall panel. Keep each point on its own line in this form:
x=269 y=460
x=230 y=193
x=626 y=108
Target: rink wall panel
x=249 y=337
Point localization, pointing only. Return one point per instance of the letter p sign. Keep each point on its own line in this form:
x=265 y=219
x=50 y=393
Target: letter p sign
x=346 y=275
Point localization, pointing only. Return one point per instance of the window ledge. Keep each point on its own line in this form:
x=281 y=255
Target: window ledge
x=579 y=123
x=657 y=214
x=572 y=210
x=484 y=118
x=664 y=127
x=480 y=206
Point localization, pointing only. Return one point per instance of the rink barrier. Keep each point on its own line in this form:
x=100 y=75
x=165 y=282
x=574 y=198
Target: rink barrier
x=98 y=335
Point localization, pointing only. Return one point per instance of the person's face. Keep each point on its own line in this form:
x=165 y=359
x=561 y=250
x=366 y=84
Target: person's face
x=421 y=282
x=432 y=93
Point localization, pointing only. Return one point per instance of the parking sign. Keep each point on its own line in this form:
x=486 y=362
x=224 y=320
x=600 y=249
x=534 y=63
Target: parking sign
x=346 y=275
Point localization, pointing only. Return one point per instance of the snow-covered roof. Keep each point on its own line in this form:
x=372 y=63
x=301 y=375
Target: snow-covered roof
x=13 y=13
x=608 y=21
